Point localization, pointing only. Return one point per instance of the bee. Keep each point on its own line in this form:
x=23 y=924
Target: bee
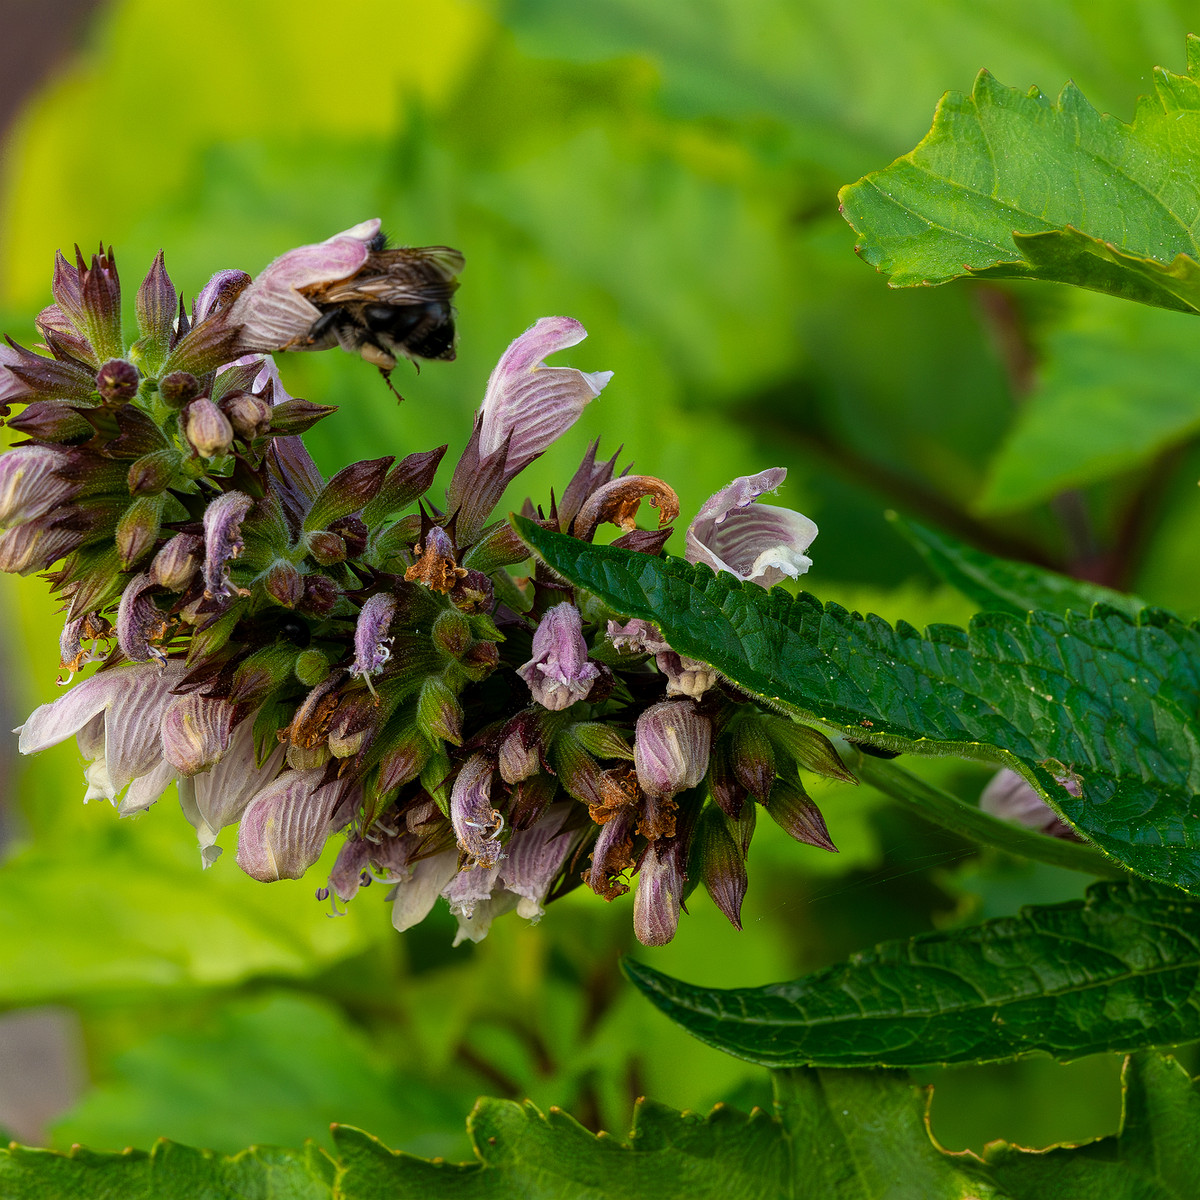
x=397 y=305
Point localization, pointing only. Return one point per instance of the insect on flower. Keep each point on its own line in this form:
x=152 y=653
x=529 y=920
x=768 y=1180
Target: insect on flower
x=398 y=305
x=381 y=302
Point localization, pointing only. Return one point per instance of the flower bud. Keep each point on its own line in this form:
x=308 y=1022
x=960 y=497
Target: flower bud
x=327 y=548
x=753 y=757
x=175 y=565
x=404 y=760
x=576 y=769
x=518 y=760
x=156 y=305
x=262 y=672
x=452 y=633
x=137 y=530
x=117 y=381
x=671 y=747
x=207 y=429
x=320 y=596
x=311 y=667
x=722 y=863
x=797 y=815
x=178 y=388
x=723 y=784
x=248 y=414
x=284 y=584
x=152 y=473
x=439 y=713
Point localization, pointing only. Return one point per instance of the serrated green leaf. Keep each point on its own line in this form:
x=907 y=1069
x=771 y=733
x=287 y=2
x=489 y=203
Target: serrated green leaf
x=1008 y=184
x=1116 y=971
x=180 y=1172
x=1152 y=1158
x=1002 y=585
x=1104 y=701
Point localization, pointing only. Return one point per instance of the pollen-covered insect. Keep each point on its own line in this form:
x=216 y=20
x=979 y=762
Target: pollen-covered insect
x=398 y=304
x=381 y=302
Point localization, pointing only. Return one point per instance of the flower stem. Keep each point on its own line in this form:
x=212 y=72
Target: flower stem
x=952 y=813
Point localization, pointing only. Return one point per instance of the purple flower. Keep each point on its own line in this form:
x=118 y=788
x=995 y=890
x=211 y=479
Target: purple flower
x=685 y=676
x=222 y=539
x=477 y=824
x=755 y=542
x=372 y=646
x=559 y=673
x=116 y=716
x=273 y=313
x=284 y=828
x=530 y=402
x=671 y=747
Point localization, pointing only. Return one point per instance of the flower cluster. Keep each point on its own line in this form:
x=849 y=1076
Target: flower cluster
x=303 y=656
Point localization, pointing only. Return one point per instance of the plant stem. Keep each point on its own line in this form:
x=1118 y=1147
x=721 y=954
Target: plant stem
x=952 y=813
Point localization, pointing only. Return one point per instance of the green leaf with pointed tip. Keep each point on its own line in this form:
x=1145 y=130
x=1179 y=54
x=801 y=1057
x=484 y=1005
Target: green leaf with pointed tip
x=180 y=1172
x=1153 y=1157
x=1115 y=971
x=1009 y=185
x=1104 y=702
x=1002 y=585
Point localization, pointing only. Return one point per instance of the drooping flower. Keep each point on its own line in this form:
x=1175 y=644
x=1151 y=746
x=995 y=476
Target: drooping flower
x=116 y=716
x=685 y=676
x=559 y=673
x=222 y=539
x=755 y=542
x=477 y=823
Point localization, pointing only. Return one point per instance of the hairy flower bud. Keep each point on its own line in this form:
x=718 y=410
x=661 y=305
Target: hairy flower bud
x=152 y=473
x=117 y=381
x=50 y=421
x=327 y=548
x=518 y=760
x=320 y=596
x=348 y=491
x=178 y=388
x=671 y=747
x=207 y=429
x=249 y=415
x=451 y=633
x=175 y=565
x=284 y=584
x=439 y=713
x=753 y=757
x=311 y=667
x=294 y=417
x=559 y=673
x=137 y=530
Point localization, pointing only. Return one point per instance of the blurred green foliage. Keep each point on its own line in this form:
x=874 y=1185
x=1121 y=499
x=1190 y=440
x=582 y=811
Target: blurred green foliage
x=667 y=174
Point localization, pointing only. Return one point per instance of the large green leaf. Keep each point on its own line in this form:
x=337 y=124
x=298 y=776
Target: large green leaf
x=1102 y=699
x=1116 y=971
x=1002 y=585
x=180 y=1172
x=1008 y=184
x=1153 y=1157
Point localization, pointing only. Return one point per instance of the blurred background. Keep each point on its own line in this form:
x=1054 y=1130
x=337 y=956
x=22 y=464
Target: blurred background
x=667 y=174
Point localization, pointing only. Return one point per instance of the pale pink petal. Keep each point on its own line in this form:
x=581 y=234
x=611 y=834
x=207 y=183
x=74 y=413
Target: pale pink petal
x=755 y=542
x=415 y=896
x=531 y=402
x=285 y=827
x=196 y=732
